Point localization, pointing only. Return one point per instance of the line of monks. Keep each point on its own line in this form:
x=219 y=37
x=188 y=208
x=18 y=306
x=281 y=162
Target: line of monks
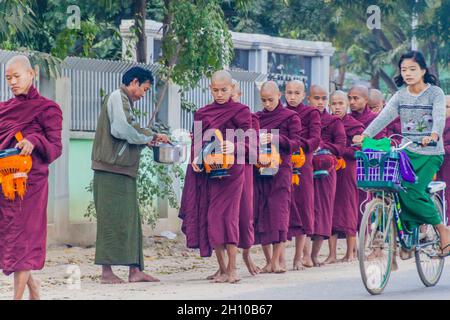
x=247 y=208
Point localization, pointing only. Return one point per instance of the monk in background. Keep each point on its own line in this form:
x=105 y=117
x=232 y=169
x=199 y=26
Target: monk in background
x=333 y=138
x=23 y=223
x=301 y=221
x=376 y=104
x=210 y=208
x=272 y=194
x=444 y=172
x=345 y=215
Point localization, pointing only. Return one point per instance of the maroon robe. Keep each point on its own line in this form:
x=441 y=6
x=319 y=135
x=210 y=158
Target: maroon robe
x=444 y=172
x=23 y=223
x=333 y=138
x=301 y=219
x=272 y=195
x=210 y=208
x=395 y=127
x=366 y=117
x=246 y=221
x=345 y=215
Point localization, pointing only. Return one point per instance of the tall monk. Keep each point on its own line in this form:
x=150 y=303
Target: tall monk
x=23 y=222
x=376 y=104
x=272 y=193
x=333 y=139
x=210 y=207
x=345 y=215
x=301 y=222
x=246 y=229
x=358 y=97
x=444 y=171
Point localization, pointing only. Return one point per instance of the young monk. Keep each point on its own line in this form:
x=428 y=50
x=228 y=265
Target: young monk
x=333 y=138
x=444 y=171
x=273 y=194
x=345 y=215
x=246 y=230
x=210 y=207
x=358 y=97
x=376 y=104
x=301 y=222
x=23 y=223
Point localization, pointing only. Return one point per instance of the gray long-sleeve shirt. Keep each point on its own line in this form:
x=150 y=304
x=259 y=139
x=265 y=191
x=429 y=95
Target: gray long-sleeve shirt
x=420 y=116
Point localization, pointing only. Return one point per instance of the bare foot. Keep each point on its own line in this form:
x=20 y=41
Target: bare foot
x=298 y=265
x=267 y=268
x=394 y=265
x=376 y=253
x=221 y=278
x=316 y=262
x=348 y=259
x=251 y=266
x=213 y=276
x=232 y=277
x=110 y=278
x=330 y=260
x=307 y=262
x=141 y=277
x=282 y=267
x=35 y=288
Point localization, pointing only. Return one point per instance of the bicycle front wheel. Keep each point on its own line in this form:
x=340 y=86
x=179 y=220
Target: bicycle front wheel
x=428 y=265
x=376 y=246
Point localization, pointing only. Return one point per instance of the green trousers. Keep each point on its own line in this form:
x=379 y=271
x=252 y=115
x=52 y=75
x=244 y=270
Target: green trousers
x=416 y=204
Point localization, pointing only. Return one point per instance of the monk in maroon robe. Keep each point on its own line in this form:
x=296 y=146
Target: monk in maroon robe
x=272 y=193
x=210 y=207
x=358 y=97
x=23 y=222
x=345 y=215
x=376 y=104
x=333 y=139
x=444 y=171
x=301 y=221
x=246 y=228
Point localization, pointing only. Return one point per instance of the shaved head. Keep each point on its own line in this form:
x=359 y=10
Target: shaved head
x=318 y=97
x=376 y=100
x=339 y=103
x=19 y=61
x=222 y=76
x=270 y=86
x=19 y=75
x=236 y=96
x=294 y=93
x=358 y=96
x=360 y=90
x=222 y=86
x=270 y=95
x=447 y=103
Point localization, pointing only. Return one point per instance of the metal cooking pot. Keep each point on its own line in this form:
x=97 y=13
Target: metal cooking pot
x=169 y=153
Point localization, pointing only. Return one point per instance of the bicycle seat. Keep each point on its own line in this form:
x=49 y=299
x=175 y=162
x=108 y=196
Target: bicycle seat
x=436 y=186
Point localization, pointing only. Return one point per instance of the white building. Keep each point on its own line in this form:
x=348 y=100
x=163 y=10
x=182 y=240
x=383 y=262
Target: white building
x=280 y=58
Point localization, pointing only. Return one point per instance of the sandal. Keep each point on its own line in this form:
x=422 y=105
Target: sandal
x=442 y=254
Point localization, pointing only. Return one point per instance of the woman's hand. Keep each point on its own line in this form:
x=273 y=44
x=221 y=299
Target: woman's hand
x=26 y=146
x=433 y=138
x=358 y=139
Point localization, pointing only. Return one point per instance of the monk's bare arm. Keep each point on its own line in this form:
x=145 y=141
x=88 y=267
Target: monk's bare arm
x=48 y=142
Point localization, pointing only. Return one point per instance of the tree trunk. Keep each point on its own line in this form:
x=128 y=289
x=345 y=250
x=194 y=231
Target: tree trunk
x=140 y=9
x=388 y=80
x=432 y=50
x=343 y=61
x=375 y=79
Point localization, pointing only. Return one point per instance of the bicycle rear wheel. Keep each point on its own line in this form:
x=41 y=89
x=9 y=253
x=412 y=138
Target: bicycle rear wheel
x=376 y=246
x=428 y=265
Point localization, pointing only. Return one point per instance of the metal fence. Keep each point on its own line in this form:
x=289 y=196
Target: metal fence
x=90 y=80
x=201 y=95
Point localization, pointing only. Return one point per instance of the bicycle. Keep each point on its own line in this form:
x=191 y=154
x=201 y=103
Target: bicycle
x=382 y=230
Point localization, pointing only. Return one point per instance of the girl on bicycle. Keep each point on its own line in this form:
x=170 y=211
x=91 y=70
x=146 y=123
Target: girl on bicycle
x=420 y=103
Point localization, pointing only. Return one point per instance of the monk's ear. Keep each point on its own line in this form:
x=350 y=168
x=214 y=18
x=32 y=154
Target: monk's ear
x=279 y=95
